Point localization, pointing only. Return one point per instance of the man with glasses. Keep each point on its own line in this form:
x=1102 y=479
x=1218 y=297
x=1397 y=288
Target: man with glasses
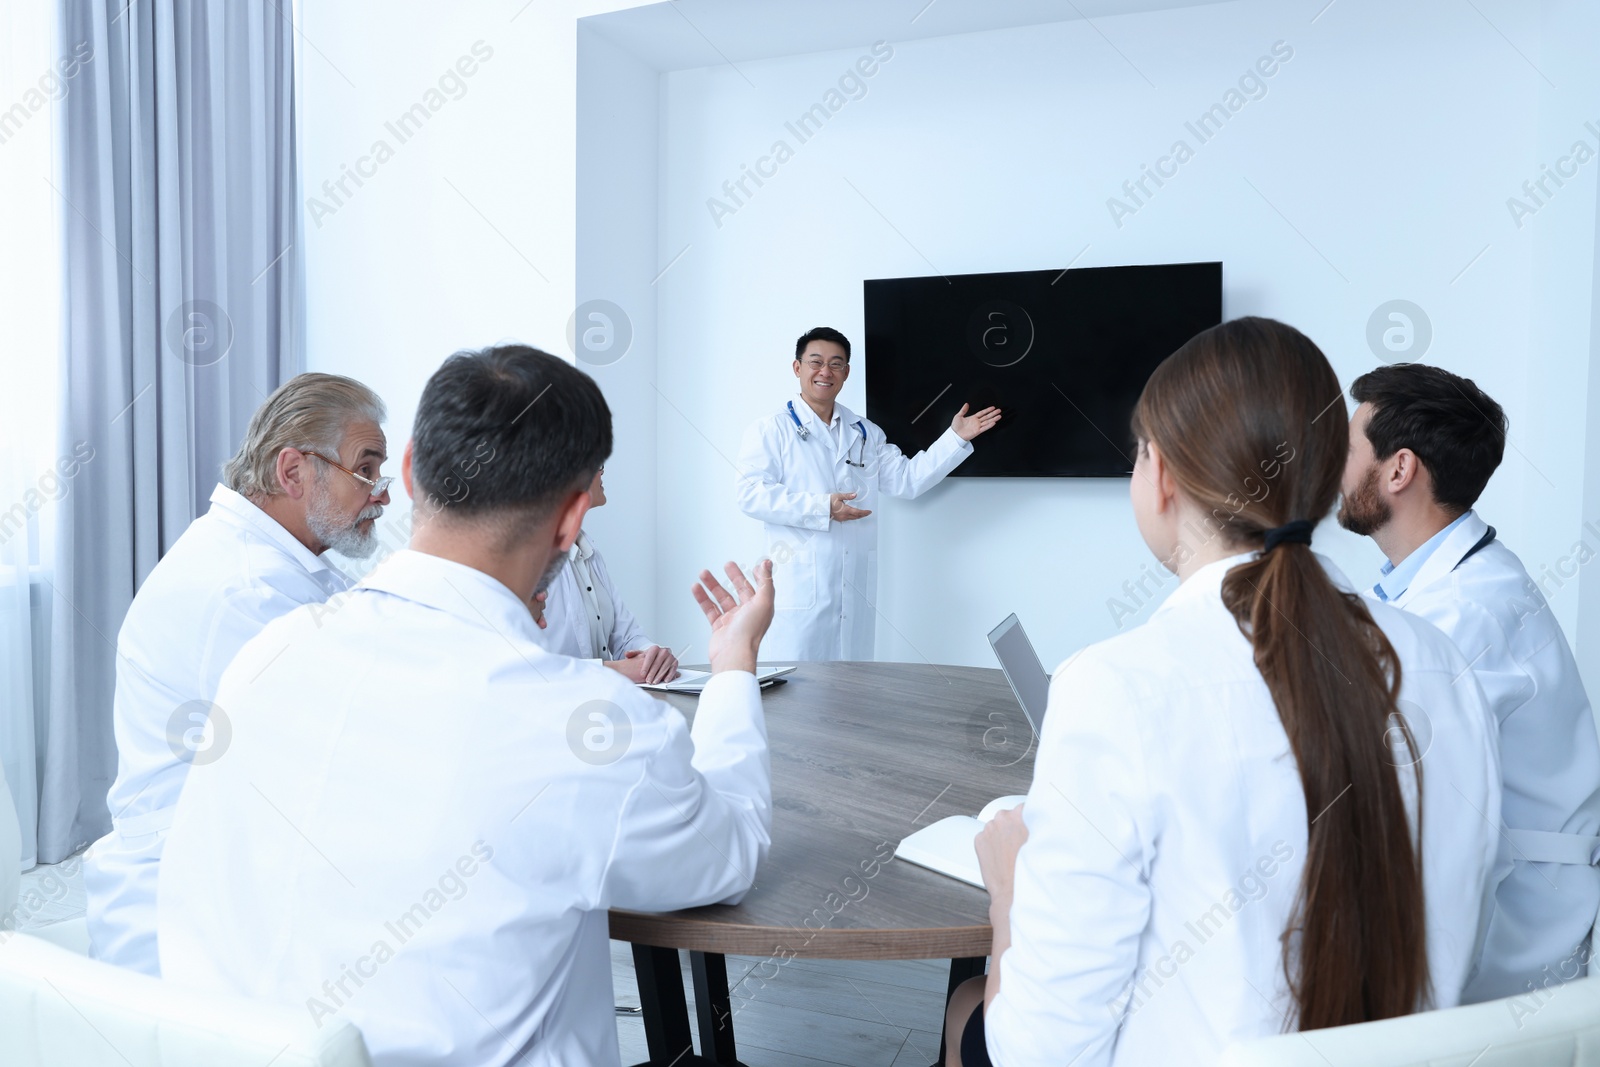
x=811 y=474
x=305 y=480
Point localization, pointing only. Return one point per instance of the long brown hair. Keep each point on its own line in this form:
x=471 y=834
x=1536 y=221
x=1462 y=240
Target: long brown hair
x=1251 y=422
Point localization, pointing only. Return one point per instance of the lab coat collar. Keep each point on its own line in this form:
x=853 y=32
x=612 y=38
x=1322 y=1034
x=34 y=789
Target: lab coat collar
x=1207 y=581
x=1469 y=530
x=850 y=438
x=240 y=508
x=1398 y=577
x=843 y=419
x=813 y=421
x=456 y=589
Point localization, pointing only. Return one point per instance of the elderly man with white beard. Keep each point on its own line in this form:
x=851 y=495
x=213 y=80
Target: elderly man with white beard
x=305 y=480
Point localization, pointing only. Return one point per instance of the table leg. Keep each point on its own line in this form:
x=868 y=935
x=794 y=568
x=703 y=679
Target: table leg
x=960 y=971
x=666 y=1011
x=713 y=1009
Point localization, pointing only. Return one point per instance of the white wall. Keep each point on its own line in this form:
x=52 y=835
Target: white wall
x=617 y=262
x=1376 y=166
x=466 y=235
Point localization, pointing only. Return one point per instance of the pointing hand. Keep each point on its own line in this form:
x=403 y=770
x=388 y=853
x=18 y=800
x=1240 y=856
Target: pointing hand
x=969 y=426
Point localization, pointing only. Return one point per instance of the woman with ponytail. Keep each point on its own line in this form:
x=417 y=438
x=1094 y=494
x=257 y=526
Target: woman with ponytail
x=1271 y=807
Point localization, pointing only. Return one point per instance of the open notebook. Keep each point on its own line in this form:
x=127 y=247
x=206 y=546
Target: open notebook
x=946 y=846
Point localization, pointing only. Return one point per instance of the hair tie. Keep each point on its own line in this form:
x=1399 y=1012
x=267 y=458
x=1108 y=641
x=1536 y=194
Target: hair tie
x=1298 y=532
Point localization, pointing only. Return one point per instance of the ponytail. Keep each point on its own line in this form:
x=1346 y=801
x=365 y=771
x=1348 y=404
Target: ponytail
x=1356 y=946
x=1355 y=949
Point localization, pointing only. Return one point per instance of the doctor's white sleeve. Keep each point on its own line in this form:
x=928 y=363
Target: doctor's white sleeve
x=1065 y=980
x=899 y=476
x=697 y=825
x=761 y=492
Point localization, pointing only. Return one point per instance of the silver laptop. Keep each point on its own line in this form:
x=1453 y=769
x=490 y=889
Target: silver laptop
x=1023 y=670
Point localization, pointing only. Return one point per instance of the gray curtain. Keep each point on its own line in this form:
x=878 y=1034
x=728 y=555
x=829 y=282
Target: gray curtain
x=180 y=315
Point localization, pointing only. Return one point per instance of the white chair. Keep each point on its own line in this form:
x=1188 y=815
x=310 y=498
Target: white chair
x=1555 y=1027
x=57 y=1007
x=10 y=853
x=70 y=933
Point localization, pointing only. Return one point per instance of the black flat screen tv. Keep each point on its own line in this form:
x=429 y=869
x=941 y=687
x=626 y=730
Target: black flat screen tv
x=1065 y=354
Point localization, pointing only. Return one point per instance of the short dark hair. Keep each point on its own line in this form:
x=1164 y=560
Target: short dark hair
x=507 y=430
x=1455 y=428
x=822 y=333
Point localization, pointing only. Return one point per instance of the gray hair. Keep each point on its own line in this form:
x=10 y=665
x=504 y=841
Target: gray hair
x=309 y=411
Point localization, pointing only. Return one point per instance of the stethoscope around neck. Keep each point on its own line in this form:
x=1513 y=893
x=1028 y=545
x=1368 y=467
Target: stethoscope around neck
x=805 y=435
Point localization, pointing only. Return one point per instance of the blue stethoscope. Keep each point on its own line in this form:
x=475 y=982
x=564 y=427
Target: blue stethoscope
x=805 y=434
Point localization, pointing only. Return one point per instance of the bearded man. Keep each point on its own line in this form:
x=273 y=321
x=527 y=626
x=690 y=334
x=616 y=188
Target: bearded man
x=306 y=480
x=1423 y=445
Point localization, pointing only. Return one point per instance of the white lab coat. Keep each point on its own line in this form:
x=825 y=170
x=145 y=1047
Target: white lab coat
x=584 y=616
x=1549 y=756
x=231 y=572
x=1167 y=836
x=825 y=573
x=424 y=817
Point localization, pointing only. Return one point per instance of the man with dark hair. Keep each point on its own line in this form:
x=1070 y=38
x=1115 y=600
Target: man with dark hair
x=1423 y=443
x=423 y=817
x=811 y=474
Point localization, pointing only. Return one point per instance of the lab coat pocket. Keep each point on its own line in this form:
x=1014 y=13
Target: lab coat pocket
x=794 y=580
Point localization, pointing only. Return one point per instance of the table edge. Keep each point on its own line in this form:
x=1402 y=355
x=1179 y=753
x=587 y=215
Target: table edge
x=673 y=930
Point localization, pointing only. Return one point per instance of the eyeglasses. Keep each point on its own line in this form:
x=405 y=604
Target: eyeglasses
x=378 y=487
x=835 y=365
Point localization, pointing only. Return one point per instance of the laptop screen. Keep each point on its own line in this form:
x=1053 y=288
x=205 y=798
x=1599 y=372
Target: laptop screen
x=1023 y=670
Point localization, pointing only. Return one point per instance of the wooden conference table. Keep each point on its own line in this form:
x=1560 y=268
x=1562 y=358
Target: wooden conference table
x=862 y=755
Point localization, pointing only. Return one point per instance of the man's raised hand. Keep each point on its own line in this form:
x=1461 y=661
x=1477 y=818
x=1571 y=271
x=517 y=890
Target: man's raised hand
x=737 y=626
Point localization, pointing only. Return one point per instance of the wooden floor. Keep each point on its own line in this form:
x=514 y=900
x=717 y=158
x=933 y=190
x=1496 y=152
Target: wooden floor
x=804 y=1013
x=809 y=1013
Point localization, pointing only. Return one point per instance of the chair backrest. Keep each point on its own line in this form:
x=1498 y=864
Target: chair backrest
x=1554 y=1027
x=10 y=855
x=57 y=1007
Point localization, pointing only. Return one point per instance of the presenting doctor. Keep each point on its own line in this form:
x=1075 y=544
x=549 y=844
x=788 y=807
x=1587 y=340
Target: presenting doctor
x=811 y=473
